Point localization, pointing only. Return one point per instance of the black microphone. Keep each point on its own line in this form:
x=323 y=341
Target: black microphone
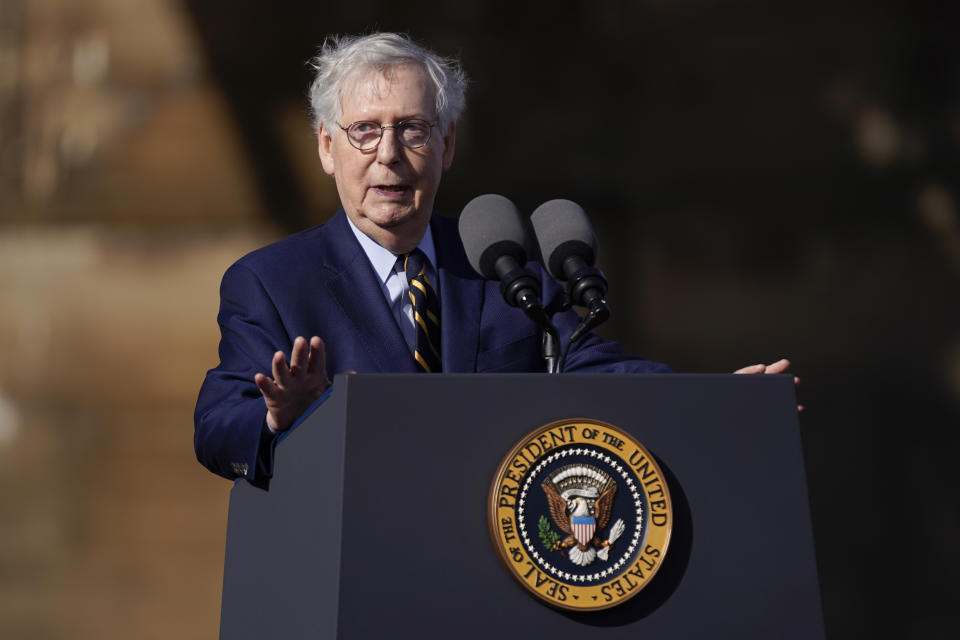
x=495 y=239
x=569 y=249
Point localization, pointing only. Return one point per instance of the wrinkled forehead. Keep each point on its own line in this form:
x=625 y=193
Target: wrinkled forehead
x=368 y=85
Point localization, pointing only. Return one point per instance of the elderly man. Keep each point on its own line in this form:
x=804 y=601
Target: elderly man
x=385 y=113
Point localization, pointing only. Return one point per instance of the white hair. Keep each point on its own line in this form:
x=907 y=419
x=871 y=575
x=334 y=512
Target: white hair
x=342 y=56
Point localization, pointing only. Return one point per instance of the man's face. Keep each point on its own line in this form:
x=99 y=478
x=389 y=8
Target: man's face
x=388 y=192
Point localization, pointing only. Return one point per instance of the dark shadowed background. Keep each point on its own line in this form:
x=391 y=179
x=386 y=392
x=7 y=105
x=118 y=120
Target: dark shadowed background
x=765 y=182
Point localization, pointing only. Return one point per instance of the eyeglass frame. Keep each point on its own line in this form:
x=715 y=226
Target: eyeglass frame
x=431 y=125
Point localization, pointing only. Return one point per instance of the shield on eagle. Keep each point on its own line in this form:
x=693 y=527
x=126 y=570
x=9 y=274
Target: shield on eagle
x=583 y=527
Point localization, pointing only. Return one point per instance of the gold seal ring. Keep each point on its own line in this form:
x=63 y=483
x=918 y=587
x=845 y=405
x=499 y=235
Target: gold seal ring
x=580 y=514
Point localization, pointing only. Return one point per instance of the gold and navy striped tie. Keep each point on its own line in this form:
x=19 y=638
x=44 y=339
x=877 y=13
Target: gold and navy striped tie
x=426 y=312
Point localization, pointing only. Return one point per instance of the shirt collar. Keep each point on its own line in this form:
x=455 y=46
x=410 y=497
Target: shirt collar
x=384 y=260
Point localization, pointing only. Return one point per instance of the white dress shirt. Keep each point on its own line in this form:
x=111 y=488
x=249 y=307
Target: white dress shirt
x=393 y=280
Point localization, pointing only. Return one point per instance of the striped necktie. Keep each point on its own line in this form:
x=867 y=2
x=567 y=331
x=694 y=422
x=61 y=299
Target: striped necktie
x=426 y=312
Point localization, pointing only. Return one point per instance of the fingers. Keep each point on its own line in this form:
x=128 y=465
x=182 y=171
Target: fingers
x=267 y=386
x=780 y=366
x=281 y=375
x=291 y=390
x=754 y=368
x=307 y=373
x=317 y=360
x=309 y=358
x=298 y=355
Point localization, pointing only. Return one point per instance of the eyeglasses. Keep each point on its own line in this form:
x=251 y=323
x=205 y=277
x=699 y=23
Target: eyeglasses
x=365 y=135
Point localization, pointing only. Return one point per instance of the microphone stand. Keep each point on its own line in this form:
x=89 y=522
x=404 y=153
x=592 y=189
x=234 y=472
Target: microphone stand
x=586 y=286
x=519 y=288
x=550 y=348
x=597 y=313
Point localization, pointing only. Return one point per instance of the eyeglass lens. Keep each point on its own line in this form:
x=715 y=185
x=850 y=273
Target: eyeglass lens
x=411 y=133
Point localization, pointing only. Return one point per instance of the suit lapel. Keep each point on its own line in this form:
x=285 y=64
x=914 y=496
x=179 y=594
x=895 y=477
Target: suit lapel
x=461 y=299
x=353 y=283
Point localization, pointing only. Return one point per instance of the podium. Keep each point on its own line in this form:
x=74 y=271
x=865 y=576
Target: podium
x=375 y=523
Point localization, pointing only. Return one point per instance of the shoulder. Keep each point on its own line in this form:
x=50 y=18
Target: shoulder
x=311 y=248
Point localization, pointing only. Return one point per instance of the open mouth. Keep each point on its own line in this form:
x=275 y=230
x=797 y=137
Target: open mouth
x=391 y=189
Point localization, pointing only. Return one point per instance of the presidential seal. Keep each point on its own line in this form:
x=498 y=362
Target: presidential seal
x=580 y=514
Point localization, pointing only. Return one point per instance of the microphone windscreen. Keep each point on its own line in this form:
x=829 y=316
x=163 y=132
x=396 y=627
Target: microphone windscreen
x=491 y=227
x=563 y=229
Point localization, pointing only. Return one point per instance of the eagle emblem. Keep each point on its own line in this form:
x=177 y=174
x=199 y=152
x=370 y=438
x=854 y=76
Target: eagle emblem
x=580 y=497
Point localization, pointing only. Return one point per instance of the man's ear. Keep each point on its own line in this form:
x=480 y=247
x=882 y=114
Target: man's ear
x=449 y=143
x=325 y=150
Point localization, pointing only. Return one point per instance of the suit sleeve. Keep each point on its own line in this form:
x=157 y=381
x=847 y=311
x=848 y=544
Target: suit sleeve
x=231 y=437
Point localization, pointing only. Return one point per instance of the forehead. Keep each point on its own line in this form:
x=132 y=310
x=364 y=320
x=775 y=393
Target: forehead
x=398 y=91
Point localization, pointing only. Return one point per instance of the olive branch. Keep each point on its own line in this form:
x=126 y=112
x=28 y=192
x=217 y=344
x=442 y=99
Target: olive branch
x=549 y=537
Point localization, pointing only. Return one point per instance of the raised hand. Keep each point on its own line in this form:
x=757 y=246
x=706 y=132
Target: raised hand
x=293 y=388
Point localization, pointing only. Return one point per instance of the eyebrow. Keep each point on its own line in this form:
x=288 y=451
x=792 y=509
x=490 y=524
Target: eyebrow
x=401 y=119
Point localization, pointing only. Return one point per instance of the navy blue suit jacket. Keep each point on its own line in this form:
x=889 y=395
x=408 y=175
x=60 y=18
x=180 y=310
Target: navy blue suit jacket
x=320 y=282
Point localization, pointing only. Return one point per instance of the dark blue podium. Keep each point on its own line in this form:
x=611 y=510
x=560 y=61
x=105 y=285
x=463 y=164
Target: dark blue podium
x=375 y=522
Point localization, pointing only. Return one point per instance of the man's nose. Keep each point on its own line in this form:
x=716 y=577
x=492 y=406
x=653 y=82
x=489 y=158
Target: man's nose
x=389 y=149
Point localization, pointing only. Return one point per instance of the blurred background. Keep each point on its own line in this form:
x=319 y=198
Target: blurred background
x=765 y=181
